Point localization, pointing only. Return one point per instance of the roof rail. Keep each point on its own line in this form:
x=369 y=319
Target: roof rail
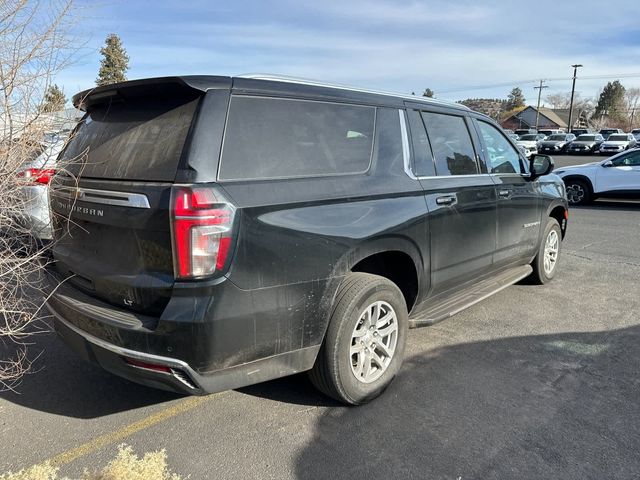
x=316 y=83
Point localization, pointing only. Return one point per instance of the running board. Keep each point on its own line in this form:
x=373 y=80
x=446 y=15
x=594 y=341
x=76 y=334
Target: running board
x=444 y=308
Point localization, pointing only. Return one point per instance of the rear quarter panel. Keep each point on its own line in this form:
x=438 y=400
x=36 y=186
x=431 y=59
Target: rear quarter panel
x=301 y=236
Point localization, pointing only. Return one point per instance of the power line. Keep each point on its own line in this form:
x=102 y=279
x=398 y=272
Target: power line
x=519 y=82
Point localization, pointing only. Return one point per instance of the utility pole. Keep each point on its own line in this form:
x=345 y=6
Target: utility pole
x=538 y=107
x=573 y=89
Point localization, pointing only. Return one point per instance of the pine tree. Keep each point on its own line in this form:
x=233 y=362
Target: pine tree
x=114 y=63
x=54 y=99
x=515 y=99
x=428 y=93
x=611 y=101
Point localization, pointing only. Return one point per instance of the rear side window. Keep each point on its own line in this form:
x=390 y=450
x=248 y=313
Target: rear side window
x=423 y=161
x=388 y=155
x=451 y=144
x=135 y=139
x=275 y=138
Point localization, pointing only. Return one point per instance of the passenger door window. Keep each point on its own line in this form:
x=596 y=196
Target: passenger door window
x=451 y=144
x=631 y=159
x=501 y=155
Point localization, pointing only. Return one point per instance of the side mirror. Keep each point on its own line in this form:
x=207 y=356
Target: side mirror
x=608 y=163
x=540 y=165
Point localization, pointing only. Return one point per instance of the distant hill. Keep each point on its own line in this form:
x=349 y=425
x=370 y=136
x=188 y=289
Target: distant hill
x=489 y=106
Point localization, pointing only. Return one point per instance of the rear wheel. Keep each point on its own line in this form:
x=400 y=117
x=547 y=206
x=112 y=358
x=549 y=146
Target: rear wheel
x=365 y=341
x=578 y=192
x=546 y=261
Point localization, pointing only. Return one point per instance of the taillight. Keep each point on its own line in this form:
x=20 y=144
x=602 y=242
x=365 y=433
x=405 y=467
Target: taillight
x=40 y=176
x=202 y=221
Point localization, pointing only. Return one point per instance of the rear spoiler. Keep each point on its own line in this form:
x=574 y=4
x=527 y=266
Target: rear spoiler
x=160 y=86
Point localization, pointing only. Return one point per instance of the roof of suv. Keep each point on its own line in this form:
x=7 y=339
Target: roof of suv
x=253 y=81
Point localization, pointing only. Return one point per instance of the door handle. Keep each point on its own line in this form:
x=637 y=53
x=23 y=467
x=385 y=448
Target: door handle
x=446 y=200
x=504 y=193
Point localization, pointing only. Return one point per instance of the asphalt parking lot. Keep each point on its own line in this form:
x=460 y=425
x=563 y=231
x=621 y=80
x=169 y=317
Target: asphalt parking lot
x=534 y=382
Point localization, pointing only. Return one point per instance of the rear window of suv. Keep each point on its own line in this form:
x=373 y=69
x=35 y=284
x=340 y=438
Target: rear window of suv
x=268 y=138
x=134 y=139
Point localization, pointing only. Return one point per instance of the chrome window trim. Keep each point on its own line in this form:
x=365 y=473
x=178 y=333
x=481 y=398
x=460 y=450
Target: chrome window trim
x=525 y=175
x=107 y=197
x=429 y=177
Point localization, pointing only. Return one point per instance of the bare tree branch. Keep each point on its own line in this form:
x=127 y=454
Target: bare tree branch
x=34 y=46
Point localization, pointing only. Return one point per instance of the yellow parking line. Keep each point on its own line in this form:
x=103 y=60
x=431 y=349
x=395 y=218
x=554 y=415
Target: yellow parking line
x=128 y=430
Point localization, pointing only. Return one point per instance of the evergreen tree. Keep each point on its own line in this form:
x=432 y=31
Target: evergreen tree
x=428 y=93
x=515 y=99
x=54 y=99
x=114 y=63
x=611 y=101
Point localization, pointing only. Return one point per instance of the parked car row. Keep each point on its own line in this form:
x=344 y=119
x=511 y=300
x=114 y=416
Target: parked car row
x=586 y=143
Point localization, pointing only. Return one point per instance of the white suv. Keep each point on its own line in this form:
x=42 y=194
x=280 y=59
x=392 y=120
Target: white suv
x=615 y=177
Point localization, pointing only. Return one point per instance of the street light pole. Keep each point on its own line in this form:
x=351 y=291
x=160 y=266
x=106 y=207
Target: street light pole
x=538 y=107
x=573 y=89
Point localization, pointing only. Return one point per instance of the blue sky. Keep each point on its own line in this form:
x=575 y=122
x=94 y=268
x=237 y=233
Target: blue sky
x=396 y=45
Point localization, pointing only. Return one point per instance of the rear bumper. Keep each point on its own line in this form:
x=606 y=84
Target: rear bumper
x=178 y=375
x=208 y=338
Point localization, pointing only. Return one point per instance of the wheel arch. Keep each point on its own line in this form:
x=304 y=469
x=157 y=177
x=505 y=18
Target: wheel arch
x=389 y=257
x=559 y=211
x=581 y=177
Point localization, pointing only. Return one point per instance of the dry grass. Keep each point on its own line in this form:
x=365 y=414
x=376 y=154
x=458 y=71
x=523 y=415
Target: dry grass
x=125 y=466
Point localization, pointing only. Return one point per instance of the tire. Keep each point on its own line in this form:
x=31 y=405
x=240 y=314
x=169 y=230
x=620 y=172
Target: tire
x=578 y=192
x=552 y=240
x=341 y=370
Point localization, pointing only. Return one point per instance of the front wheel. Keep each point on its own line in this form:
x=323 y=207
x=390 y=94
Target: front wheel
x=365 y=341
x=578 y=192
x=546 y=261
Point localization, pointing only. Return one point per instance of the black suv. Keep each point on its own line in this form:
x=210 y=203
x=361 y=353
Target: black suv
x=216 y=232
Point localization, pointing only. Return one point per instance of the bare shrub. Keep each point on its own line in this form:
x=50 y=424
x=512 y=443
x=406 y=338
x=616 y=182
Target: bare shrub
x=34 y=45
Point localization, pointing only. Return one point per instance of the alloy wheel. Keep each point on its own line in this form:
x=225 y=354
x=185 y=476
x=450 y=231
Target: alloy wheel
x=551 y=248
x=373 y=342
x=575 y=193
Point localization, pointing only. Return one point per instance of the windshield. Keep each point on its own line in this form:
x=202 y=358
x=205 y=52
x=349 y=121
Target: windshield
x=586 y=138
x=557 y=137
x=529 y=137
x=608 y=130
x=618 y=138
